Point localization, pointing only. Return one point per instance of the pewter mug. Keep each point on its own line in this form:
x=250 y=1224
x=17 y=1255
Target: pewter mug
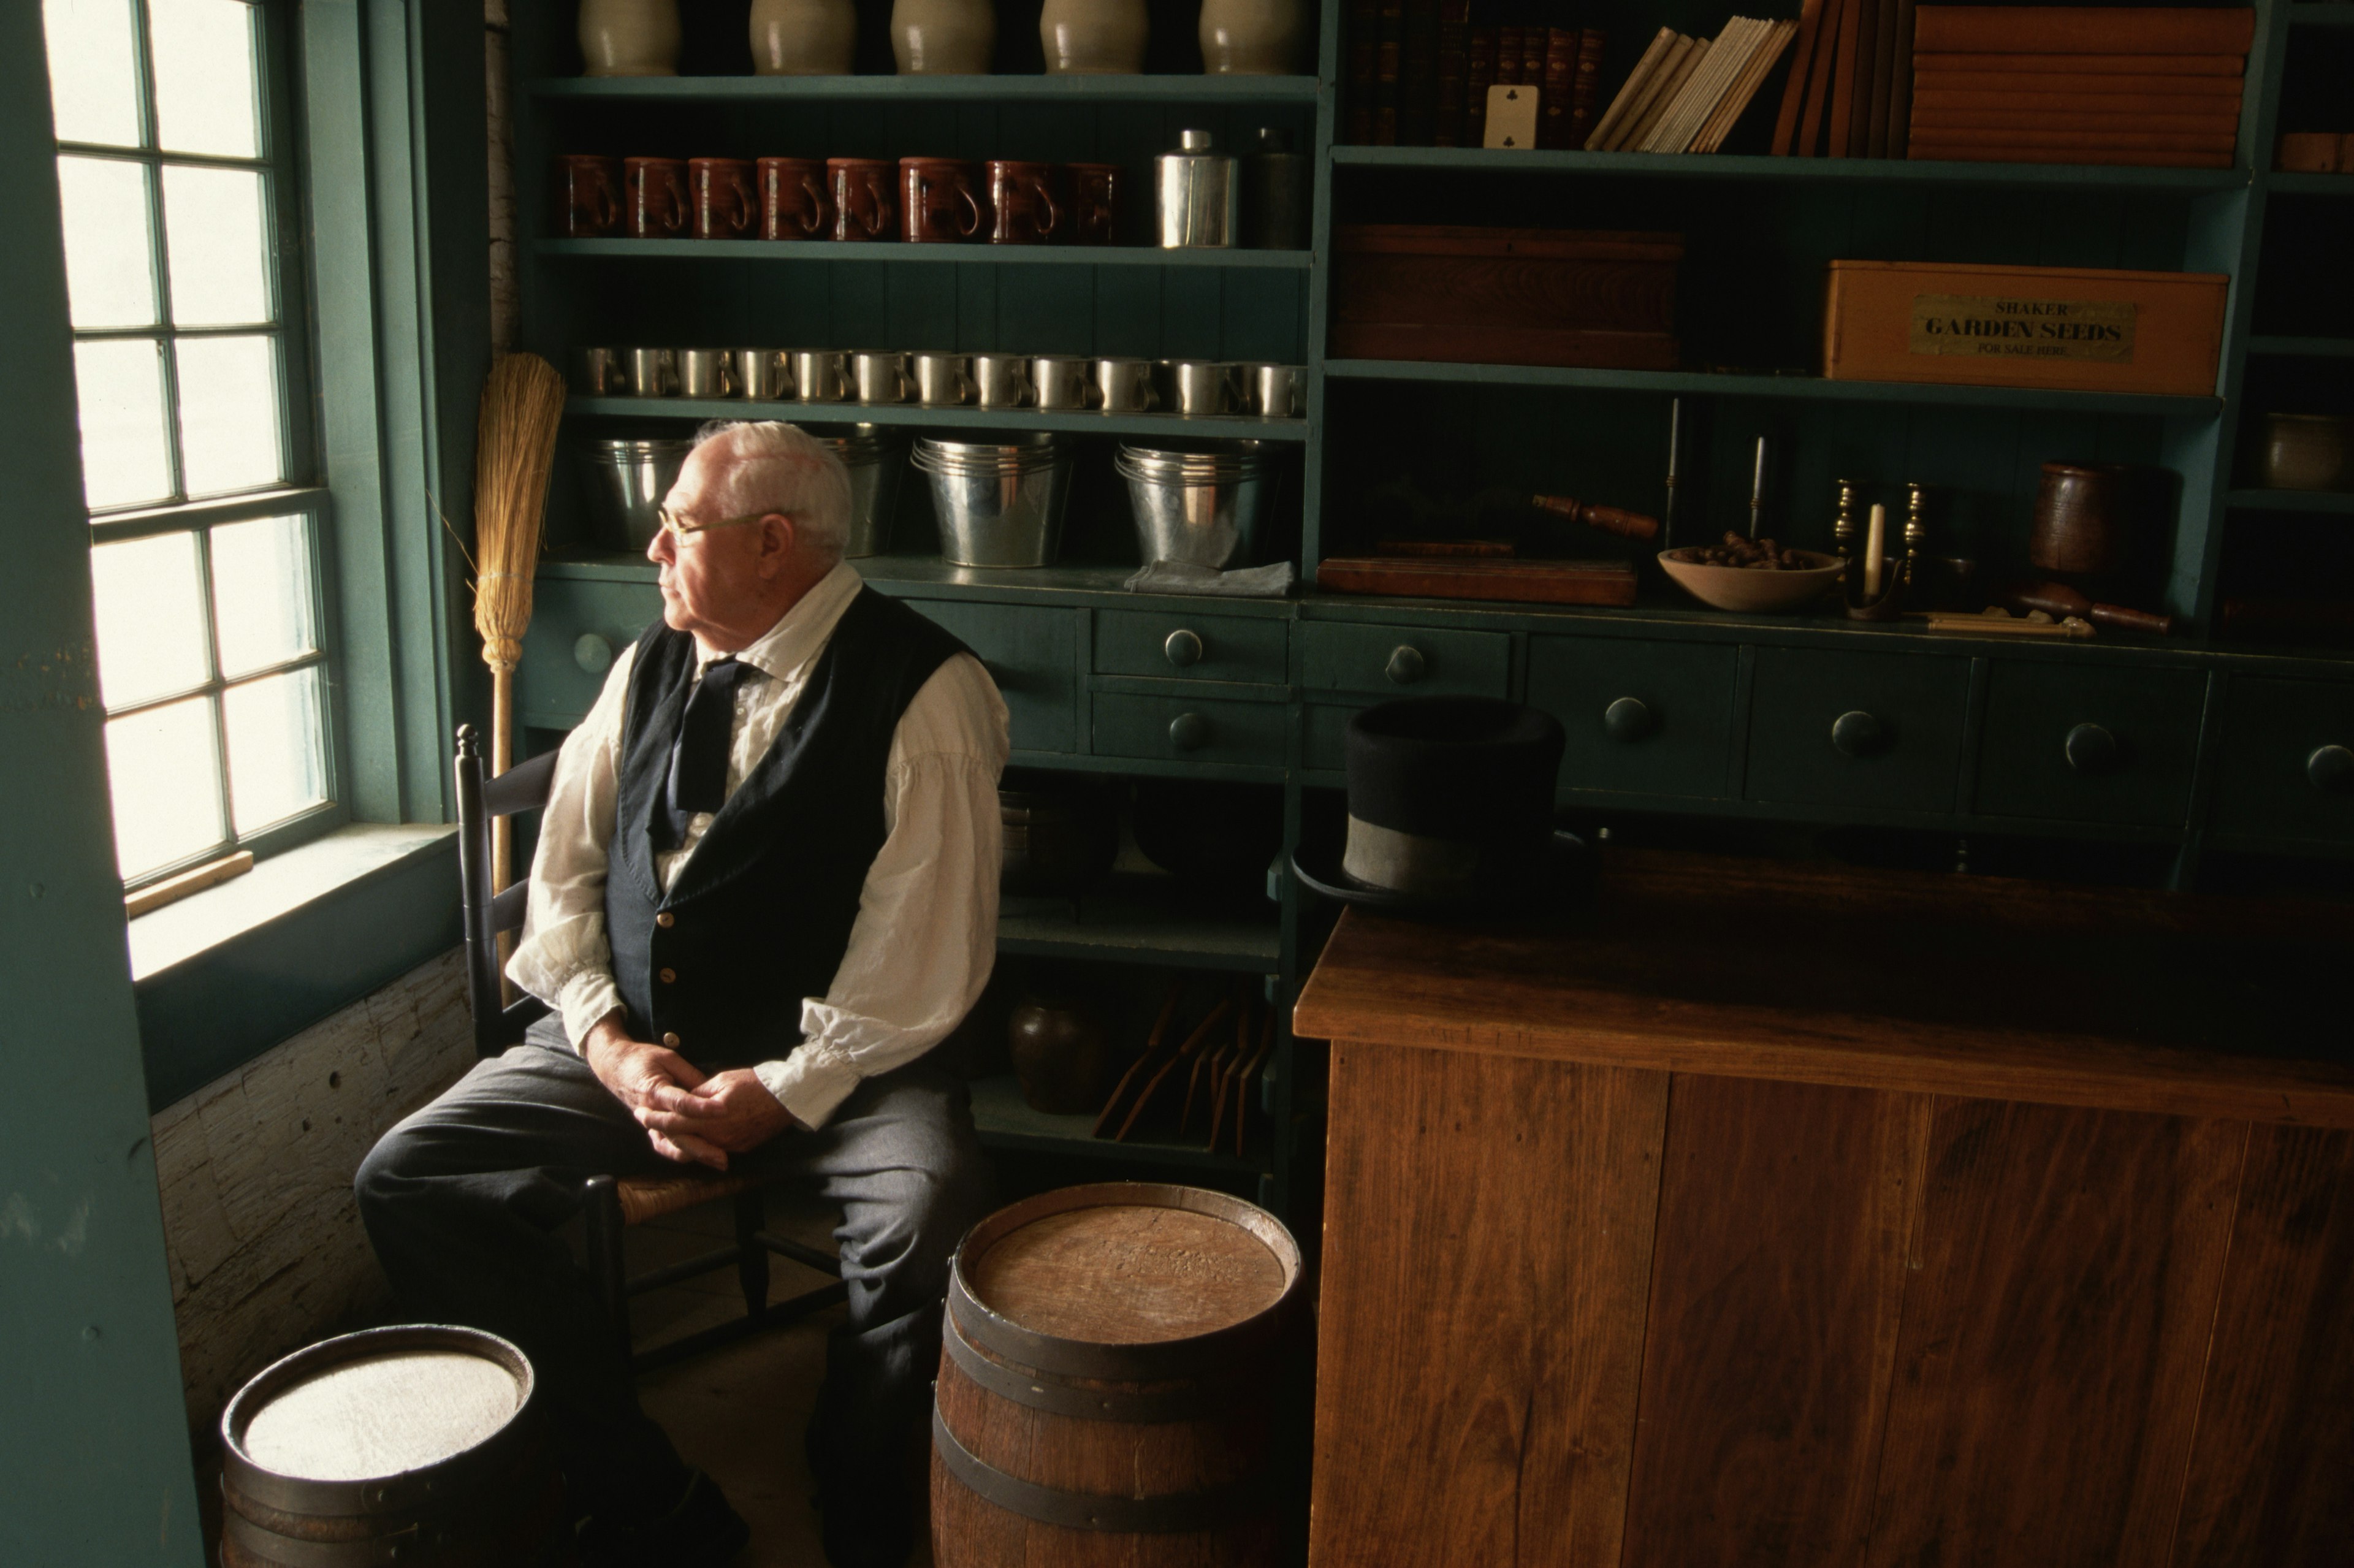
x=1195 y=195
x=599 y=372
x=1062 y=381
x=943 y=380
x=652 y=372
x=1124 y=385
x=1195 y=385
x=1000 y=380
x=762 y=374
x=1275 y=391
x=706 y=373
x=879 y=375
x=819 y=374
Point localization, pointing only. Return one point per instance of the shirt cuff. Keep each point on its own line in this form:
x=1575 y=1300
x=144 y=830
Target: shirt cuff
x=811 y=1083
x=586 y=998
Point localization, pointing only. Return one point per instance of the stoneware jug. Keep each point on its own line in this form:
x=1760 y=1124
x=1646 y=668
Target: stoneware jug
x=1094 y=37
x=803 y=37
x=1251 y=38
x=943 y=37
x=629 y=37
x=1057 y=1048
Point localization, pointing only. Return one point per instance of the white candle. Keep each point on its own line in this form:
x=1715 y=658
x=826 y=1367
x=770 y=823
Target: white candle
x=1875 y=549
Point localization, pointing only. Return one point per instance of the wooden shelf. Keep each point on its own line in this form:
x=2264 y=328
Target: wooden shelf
x=2311 y=185
x=736 y=90
x=2338 y=501
x=1849 y=170
x=1803 y=388
x=788 y=251
x=1140 y=919
x=1006 y=1121
x=1073 y=422
x=2304 y=347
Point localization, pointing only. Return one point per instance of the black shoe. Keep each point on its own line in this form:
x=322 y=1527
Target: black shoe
x=700 y=1530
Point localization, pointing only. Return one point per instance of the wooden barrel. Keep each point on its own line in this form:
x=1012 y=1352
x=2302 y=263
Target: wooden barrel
x=417 y=1447
x=1108 y=1378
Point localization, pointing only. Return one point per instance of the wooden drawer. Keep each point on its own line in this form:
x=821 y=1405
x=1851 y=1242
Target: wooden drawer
x=1403 y=660
x=2102 y=745
x=1650 y=717
x=1192 y=646
x=1877 y=730
x=2287 y=768
x=1191 y=729
x=577 y=630
x=1032 y=654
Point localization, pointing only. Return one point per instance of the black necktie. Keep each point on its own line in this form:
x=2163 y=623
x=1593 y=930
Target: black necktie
x=698 y=762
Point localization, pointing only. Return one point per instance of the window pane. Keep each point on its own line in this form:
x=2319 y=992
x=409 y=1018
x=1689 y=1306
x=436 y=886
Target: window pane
x=109 y=271
x=261 y=593
x=93 y=88
x=123 y=456
x=212 y=229
x=204 y=76
x=229 y=414
x=275 y=754
x=150 y=617
x=166 y=785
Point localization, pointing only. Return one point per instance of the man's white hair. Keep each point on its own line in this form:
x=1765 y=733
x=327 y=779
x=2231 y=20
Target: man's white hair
x=766 y=465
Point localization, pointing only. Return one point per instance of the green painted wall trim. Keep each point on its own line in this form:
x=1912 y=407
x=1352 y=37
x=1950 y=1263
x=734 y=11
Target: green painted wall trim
x=94 y=1464
x=208 y=1016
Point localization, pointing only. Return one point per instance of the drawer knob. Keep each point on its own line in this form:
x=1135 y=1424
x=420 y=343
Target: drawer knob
x=2331 y=769
x=2091 y=748
x=1628 y=718
x=1856 y=734
x=1189 y=732
x=1184 y=648
x=1406 y=665
x=592 y=653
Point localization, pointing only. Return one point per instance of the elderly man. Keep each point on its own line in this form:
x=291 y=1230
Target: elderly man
x=766 y=887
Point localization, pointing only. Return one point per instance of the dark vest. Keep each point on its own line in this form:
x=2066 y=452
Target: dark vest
x=761 y=912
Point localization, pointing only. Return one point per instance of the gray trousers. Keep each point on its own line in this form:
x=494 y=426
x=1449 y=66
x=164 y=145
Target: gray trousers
x=462 y=1201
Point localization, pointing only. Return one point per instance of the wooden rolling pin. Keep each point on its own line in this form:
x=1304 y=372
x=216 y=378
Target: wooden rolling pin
x=2059 y=599
x=1610 y=519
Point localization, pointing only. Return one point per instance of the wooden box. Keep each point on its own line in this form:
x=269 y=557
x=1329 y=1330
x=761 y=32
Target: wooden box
x=2080 y=328
x=1505 y=296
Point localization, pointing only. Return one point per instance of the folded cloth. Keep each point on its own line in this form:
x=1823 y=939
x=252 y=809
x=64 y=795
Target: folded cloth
x=1178 y=576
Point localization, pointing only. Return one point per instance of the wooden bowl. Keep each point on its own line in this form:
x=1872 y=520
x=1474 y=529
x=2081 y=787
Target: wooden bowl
x=1752 y=591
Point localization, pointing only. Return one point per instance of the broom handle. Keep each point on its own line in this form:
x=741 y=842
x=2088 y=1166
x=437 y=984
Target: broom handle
x=501 y=834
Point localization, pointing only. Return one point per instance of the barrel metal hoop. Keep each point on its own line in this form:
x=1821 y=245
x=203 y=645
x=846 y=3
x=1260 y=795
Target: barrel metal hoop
x=1172 y=1513
x=395 y=1551
x=1046 y=1392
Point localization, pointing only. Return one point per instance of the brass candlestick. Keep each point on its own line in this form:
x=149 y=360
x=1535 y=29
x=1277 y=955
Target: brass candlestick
x=1916 y=531
x=1843 y=521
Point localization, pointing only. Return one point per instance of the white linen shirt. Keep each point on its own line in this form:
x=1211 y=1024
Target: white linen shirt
x=925 y=934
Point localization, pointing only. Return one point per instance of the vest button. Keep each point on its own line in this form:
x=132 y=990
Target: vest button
x=668 y=975
x=665 y=919
x=671 y=1040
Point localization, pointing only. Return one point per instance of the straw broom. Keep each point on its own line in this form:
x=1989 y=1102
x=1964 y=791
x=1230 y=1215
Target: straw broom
x=522 y=403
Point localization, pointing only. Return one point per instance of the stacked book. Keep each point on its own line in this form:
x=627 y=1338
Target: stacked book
x=2069 y=85
x=1419 y=71
x=1685 y=95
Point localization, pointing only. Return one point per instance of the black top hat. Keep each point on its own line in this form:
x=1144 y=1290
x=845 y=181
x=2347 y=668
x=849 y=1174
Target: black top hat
x=1450 y=813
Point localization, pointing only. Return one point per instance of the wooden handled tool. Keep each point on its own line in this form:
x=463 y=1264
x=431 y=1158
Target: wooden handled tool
x=2058 y=598
x=1135 y=1068
x=1610 y=519
x=1193 y=1042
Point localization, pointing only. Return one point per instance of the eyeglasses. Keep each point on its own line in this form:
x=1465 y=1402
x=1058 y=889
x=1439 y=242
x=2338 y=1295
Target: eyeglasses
x=680 y=529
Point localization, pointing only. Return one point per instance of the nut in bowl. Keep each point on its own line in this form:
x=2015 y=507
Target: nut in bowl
x=1752 y=576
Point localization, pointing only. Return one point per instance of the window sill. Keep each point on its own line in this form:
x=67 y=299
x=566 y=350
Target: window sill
x=225 y=974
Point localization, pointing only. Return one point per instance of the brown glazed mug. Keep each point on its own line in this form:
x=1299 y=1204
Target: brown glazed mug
x=654 y=204
x=940 y=201
x=1094 y=202
x=1023 y=198
x=587 y=195
x=2079 y=527
x=865 y=204
x=726 y=205
x=794 y=202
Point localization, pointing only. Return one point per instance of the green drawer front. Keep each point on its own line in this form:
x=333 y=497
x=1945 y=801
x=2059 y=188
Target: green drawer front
x=2280 y=779
x=1916 y=704
x=1428 y=662
x=1191 y=729
x=1650 y=717
x=577 y=630
x=2090 y=744
x=1191 y=647
x=1033 y=655
x=1324 y=742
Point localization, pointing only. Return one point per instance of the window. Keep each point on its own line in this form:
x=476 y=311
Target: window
x=197 y=464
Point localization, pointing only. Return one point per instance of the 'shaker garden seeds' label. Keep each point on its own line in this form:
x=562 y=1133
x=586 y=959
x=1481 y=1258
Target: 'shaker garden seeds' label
x=2023 y=329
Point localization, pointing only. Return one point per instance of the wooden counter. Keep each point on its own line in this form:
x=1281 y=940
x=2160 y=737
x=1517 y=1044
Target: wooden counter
x=1781 y=1216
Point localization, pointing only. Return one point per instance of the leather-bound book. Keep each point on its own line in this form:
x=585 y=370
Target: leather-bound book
x=1454 y=71
x=1586 y=89
x=2070 y=121
x=1418 y=74
x=1793 y=89
x=1479 y=75
x=1363 y=36
x=1818 y=79
x=1858 y=95
x=2076 y=64
x=1955 y=143
x=1884 y=78
x=2086 y=30
x=2138 y=157
x=1931 y=95
x=2094 y=84
x=1562 y=40
x=1534 y=33
x=1508 y=51
x=1900 y=87
x=1392 y=41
